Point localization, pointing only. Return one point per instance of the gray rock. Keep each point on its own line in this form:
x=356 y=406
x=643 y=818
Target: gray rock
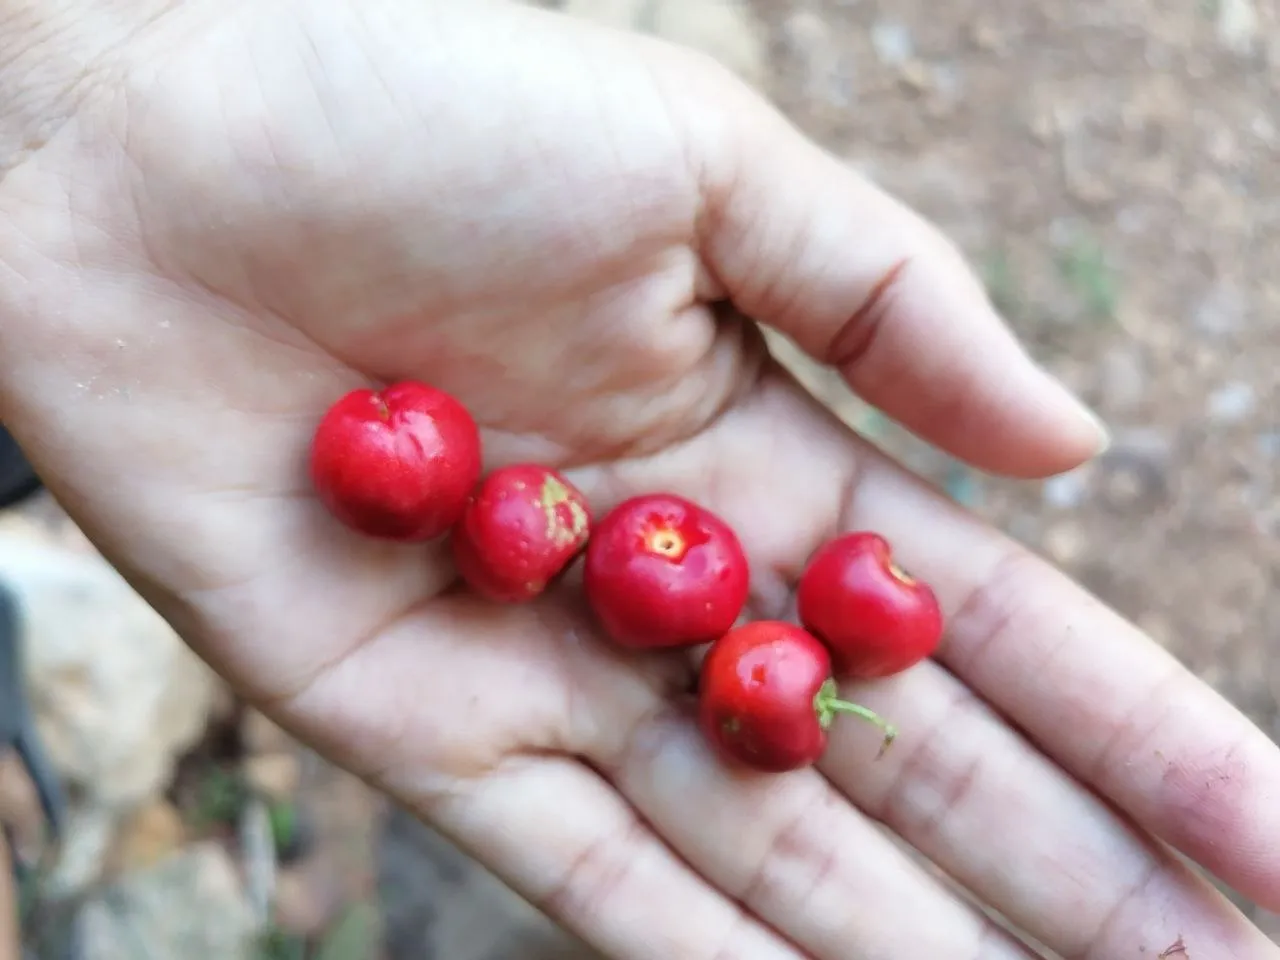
x=892 y=42
x=440 y=904
x=1068 y=490
x=188 y=905
x=1232 y=402
x=1222 y=311
x=117 y=696
x=1238 y=26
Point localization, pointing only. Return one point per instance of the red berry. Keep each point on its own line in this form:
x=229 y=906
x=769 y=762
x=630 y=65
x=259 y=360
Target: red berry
x=875 y=618
x=396 y=464
x=767 y=697
x=661 y=571
x=521 y=528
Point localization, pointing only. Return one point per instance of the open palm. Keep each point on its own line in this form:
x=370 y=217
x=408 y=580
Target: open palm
x=255 y=207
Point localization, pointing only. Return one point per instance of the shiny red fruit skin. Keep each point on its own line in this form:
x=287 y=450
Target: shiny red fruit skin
x=876 y=620
x=522 y=526
x=757 y=696
x=396 y=464
x=662 y=571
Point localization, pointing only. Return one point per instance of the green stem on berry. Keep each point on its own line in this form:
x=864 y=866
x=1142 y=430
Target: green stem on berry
x=827 y=704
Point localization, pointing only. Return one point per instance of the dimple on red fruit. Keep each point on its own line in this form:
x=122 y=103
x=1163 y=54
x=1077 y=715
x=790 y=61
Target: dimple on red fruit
x=521 y=528
x=876 y=619
x=398 y=463
x=767 y=698
x=662 y=571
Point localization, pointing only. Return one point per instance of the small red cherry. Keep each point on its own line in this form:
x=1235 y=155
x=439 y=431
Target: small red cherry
x=396 y=464
x=521 y=528
x=876 y=619
x=662 y=571
x=766 y=697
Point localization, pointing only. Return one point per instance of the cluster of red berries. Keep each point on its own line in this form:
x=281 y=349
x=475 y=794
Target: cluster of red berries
x=659 y=570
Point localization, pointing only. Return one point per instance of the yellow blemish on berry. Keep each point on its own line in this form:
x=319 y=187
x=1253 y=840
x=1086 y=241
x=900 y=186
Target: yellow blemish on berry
x=554 y=493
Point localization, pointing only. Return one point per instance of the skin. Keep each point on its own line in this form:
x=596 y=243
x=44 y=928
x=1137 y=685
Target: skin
x=662 y=571
x=269 y=203
x=877 y=619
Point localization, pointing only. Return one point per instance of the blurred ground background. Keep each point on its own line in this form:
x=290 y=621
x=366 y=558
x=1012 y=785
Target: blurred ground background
x=1113 y=168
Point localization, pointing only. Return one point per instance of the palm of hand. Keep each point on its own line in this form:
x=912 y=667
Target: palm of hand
x=284 y=237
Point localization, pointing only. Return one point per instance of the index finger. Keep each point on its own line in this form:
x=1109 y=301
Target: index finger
x=801 y=242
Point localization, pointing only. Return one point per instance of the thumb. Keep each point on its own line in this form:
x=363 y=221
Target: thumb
x=802 y=243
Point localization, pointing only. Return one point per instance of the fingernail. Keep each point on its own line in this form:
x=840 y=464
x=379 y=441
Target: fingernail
x=1104 y=433
x=1096 y=424
x=1085 y=413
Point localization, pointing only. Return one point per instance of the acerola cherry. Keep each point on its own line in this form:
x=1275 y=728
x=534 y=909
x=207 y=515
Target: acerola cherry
x=662 y=571
x=521 y=528
x=397 y=464
x=767 y=698
x=876 y=619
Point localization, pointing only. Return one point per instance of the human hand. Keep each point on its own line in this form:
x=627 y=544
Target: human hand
x=243 y=210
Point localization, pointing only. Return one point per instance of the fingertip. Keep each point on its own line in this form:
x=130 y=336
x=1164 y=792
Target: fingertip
x=1084 y=434
x=1027 y=426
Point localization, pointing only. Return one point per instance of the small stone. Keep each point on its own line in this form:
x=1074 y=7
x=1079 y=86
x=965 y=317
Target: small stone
x=273 y=775
x=892 y=42
x=1221 y=311
x=1232 y=402
x=88 y=836
x=1067 y=490
x=150 y=835
x=1238 y=26
x=1264 y=128
x=258 y=858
